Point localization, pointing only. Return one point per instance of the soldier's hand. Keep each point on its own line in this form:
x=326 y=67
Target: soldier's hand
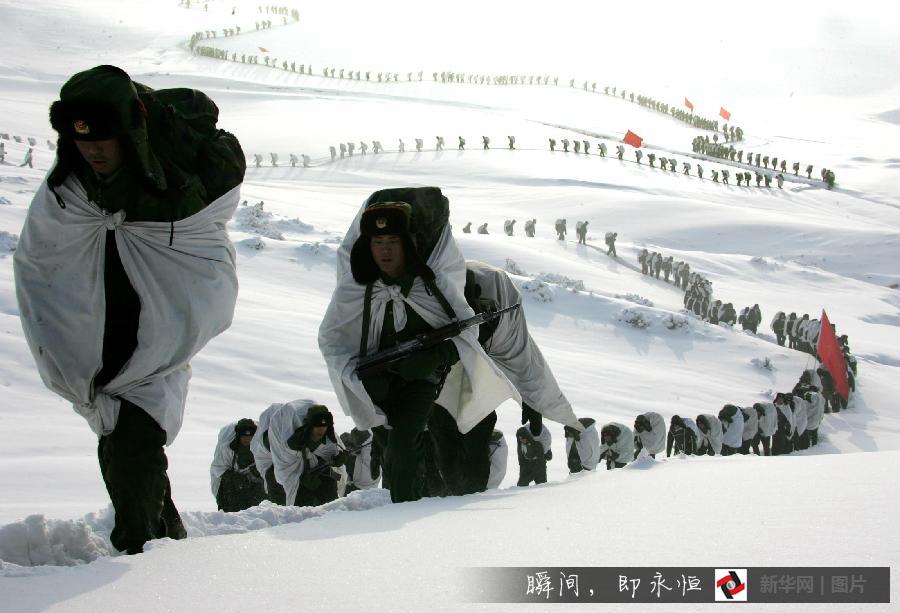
x=423 y=364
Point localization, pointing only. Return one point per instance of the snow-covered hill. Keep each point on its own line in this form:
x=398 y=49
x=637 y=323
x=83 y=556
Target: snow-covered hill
x=802 y=248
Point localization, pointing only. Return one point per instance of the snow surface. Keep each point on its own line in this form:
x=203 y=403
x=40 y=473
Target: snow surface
x=821 y=88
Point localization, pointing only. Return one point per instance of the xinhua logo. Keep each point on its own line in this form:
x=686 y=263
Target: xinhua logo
x=731 y=585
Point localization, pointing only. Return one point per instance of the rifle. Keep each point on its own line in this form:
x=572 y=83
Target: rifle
x=385 y=360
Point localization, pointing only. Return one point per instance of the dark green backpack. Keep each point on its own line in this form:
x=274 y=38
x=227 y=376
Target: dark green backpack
x=181 y=124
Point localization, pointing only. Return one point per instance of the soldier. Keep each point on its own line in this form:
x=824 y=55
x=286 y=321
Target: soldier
x=333 y=152
x=610 y=239
x=815 y=411
x=662 y=163
x=2 y=153
x=363 y=147
x=560 y=228
x=552 y=144
x=766 y=161
x=829 y=179
x=649 y=434
x=603 y=150
x=780 y=179
x=343 y=147
x=294 y=159
x=486 y=140
x=774 y=163
x=467 y=229
x=565 y=143
x=758 y=178
x=700 y=171
x=682 y=436
x=482 y=229
x=533 y=450
x=709 y=439
x=687 y=168
x=351 y=147
x=740 y=177
x=768 y=180
x=508 y=226
x=438 y=143
x=638 y=154
x=757 y=160
x=582 y=448
x=235 y=480
x=462 y=143
x=376 y=147
x=767 y=425
x=401 y=146
x=732 y=419
x=783 y=165
x=778 y=325
x=529 y=227
x=796 y=167
x=576 y=145
x=672 y=163
x=262 y=456
x=29 y=158
x=809 y=170
x=620 y=151
x=104 y=267
x=616 y=445
x=581 y=231
x=512 y=142
x=305 y=452
x=274 y=158
x=587 y=146
x=381 y=252
x=651 y=157
x=362 y=467
x=419 y=145
x=666 y=268
x=644 y=259
x=725 y=176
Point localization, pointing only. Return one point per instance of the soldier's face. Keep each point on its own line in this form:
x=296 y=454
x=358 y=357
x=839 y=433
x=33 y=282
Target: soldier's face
x=104 y=156
x=245 y=439
x=387 y=251
x=318 y=432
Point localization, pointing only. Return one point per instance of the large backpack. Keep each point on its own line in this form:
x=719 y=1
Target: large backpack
x=181 y=123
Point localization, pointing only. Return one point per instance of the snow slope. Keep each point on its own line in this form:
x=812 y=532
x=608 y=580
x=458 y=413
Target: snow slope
x=798 y=249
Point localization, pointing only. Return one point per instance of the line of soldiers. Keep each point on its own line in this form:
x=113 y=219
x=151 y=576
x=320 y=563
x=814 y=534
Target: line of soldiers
x=292 y=158
x=802 y=334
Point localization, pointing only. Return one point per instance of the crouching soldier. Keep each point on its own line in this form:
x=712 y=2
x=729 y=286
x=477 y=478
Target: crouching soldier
x=363 y=469
x=236 y=484
x=582 y=448
x=305 y=452
x=732 y=419
x=534 y=453
x=155 y=265
x=709 y=441
x=683 y=435
x=616 y=445
x=815 y=411
x=649 y=434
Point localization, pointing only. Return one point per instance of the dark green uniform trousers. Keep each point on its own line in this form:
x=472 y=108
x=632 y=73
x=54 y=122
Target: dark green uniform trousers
x=133 y=464
x=464 y=459
x=407 y=407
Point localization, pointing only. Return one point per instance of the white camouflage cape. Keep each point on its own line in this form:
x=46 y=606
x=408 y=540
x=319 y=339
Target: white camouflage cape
x=262 y=457
x=515 y=352
x=223 y=457
x=499 y=454
x=290 y=464
x=183 y=272
x=623 y=447
x=473 y=388
x=714 y=436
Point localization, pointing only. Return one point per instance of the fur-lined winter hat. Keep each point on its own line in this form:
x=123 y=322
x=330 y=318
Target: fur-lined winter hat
x=245 y=427
x=319 y=415
x=610 y=432
x=102 y=104
x=642 y=424
x=382 y=219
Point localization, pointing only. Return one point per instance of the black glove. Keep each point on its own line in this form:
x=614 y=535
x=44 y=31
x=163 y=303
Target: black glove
x=422 y=364
x=342 y=457
x=548 y=456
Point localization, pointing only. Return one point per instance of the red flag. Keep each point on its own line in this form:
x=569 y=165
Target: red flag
x=688 y=104
x=633 y=139
x=263 y=49
x=723 y=113
x=832 y=358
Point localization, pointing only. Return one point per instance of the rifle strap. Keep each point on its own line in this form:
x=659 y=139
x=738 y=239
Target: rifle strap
x=367 y=316
x=433 y=290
